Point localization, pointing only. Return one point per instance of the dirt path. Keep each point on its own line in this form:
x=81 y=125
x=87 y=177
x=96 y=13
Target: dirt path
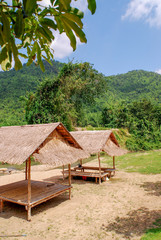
x=121 y=208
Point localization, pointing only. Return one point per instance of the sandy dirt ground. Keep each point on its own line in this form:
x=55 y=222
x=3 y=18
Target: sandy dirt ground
x=120 y=208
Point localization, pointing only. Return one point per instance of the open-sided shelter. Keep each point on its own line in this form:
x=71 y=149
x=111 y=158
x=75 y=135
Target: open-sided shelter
x=47 y=143
x=95 y=142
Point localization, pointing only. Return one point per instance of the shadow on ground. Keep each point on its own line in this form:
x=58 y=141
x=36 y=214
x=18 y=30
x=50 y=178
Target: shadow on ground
x=12 y=209
x=152 y=188
x=135 y=224
x=59 y=179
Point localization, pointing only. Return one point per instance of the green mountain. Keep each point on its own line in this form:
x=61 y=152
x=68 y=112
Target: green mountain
x=130 y=86
x=14 y=84
x=136 y=85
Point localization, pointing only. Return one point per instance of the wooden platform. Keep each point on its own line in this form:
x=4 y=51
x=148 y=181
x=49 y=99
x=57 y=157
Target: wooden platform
x=110 y=171
x=40 y=192
x=95 y=175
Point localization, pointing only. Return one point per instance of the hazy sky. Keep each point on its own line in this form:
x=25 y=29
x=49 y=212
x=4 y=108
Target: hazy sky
x=122 y=35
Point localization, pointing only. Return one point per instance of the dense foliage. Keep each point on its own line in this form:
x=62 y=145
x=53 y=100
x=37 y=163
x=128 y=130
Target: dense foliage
x=14 y=84
x=78 y=95
x=63 y=98
x=30 y=25
x=143 y=120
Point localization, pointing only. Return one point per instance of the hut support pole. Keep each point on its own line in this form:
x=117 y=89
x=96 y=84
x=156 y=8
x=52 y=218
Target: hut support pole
x=26 y=173
x=113 y=162
x=81 y=162
x=99 y=168
x=1 y=205
x=69 y=170
x=29 y=190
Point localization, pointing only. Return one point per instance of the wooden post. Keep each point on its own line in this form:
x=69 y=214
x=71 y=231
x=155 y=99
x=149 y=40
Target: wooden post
x=113 y=162
x=1 y=205
x=81 y=162
x=69 y=170
x=26 y=173
x=63 y=172
x=99 y=168
x=28 y=213
x=29 y=190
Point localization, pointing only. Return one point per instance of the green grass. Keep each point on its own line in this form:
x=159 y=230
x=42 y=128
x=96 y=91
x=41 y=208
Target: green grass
x=143 y=162
x=154 y=233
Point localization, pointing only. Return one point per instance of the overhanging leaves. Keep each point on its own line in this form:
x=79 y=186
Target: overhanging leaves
x=25 y=22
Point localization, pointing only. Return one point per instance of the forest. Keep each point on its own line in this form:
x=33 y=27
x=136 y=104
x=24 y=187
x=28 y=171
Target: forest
x=79 y=96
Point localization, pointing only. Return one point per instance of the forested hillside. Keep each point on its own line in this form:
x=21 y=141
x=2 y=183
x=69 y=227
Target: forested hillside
x=14 y=84
x=78 y=95
x=136 y=84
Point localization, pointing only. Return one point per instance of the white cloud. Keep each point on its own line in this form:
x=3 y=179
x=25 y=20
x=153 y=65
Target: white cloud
x=61 y=46
x=148 y=10
x=158 y=71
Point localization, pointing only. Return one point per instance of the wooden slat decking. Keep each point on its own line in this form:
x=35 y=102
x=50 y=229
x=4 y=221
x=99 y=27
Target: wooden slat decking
x=40 y=192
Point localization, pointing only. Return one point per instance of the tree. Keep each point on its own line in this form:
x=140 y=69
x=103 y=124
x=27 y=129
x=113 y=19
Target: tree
x=63 y=98
x=29 y=25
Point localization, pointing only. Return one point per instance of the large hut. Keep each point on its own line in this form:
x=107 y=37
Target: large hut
x=95 y=142
x=47 y=143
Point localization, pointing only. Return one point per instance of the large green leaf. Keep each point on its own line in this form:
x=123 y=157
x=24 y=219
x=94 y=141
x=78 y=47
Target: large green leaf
x=31 y=53
x=6 y=33
x=29 y=6
x=59 y=23
x=92 y=6
x=3 y=54
x=74 y=18
x=48 y=22
x=45 y=33
x=39 y=57
x=18 y=64
x=19 y=25
x=80 y=34
x=65 y=3
x=70 y=35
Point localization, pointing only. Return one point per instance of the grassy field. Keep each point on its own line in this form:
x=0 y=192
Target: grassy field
x=143 y=162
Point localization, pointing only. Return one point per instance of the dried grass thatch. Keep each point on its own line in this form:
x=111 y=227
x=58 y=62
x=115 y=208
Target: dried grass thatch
x=48 y=143
x=98 y=141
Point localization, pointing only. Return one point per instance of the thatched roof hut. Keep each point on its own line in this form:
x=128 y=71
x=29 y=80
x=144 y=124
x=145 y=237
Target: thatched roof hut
x=98 y=141
x=48 y=143
x=95 y=142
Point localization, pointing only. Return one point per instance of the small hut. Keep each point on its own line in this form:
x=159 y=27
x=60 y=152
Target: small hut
x=47 y=143
x=95 y=142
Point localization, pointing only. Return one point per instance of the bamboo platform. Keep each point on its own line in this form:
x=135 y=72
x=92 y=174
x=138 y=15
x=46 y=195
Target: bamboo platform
x=110 y=171
x=95 y=175
x=40 y=192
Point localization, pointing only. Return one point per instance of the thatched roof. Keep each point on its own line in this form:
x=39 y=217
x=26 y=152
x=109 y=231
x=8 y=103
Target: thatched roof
x=97 y=141
x=48 y=143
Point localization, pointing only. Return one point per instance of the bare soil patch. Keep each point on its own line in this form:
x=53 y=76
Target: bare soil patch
x=121 y=208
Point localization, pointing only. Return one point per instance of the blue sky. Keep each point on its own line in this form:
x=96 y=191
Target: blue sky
x=122 y=35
